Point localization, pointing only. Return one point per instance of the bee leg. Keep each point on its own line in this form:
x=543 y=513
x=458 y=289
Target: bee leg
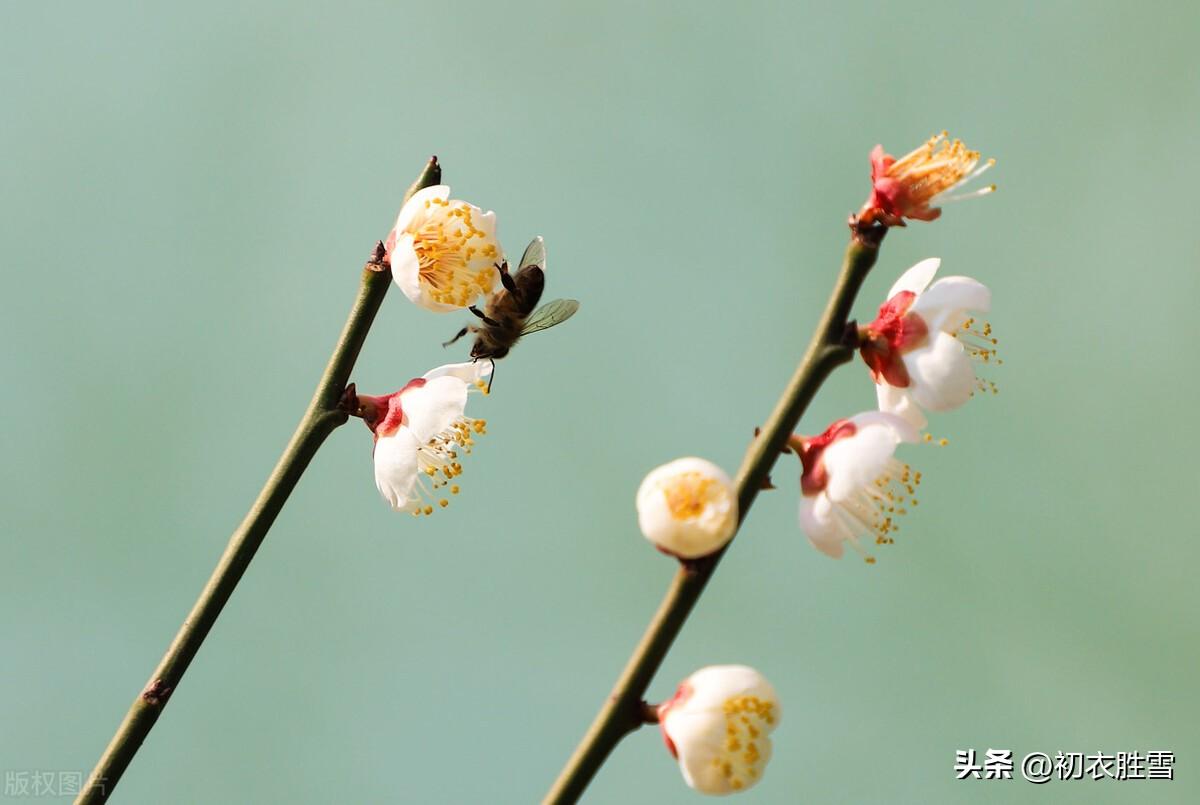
x=488 y=321
x=460 y=334
x=506 y=279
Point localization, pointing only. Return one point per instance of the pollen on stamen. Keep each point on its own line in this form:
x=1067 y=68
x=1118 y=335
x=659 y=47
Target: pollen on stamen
x=447 y=268
x=980 y=345
x=439 y=465
x=874 y=510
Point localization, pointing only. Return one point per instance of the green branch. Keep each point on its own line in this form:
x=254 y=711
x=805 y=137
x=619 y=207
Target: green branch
x=623 y=711
x=324 y=414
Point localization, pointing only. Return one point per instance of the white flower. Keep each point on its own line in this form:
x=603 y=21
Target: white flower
x=852 y=485
x=419 y=432
x=718 y=726
x=920 y=346
x=443 y=251
x=688 y=508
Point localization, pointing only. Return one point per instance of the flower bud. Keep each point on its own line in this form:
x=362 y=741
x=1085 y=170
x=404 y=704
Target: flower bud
x=687 y=508
x=718 y=727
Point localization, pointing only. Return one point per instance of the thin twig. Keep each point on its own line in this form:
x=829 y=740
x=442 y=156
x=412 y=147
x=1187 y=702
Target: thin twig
x=622 y=712
x=324 y=414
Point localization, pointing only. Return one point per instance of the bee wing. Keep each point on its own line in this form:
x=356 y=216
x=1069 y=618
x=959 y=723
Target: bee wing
x=550 y=314
x=535 y=254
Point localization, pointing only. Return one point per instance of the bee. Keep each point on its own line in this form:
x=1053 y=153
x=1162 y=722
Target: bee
x=509 y=313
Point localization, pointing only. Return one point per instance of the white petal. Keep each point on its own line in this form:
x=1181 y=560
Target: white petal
x=485 y=222
x=714 y=684
x=943 y=306
x=416 y=205
x=819 y=523
x=406 y=267
x=898 y=401
x=855 y=461
x=433 y=407
x=698 y=736
x=396 y=469
x=941 y=374
x=468 y=372
x=917 y=277
x=904 y=430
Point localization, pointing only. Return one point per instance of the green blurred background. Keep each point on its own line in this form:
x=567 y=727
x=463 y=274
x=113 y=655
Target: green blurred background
x=189 y=193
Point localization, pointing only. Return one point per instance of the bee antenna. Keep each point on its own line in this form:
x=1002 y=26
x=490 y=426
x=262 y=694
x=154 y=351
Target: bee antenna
x=491 y=376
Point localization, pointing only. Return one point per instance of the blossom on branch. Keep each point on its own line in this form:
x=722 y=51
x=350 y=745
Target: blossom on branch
x=420 y=433
x=921 y=346
x=443 y=252
x=718 y=727
x=852 y=485
x=915 y=185
x=687 y=508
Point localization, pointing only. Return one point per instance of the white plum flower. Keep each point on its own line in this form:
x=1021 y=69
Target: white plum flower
x=687 y=508
x=921 y=346
x=718 y=727
x=420 y=431
x=852 y=484
x=443 y=251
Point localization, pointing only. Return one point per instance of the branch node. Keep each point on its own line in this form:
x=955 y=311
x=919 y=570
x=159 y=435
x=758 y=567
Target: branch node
x=649 y=712
x=866 y=231
x=348 y=404
x=157 y=693
x=850 y=338
x=378 y=259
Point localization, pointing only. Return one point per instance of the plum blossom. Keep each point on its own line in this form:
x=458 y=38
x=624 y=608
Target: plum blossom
x=687 y=508
x=852 y=485
x=921 y=346
x=443 y=252
x=420 y=433
x=915 y=185
x=718 y=727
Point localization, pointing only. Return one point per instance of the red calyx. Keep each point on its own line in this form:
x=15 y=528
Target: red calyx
x=682 y=694
x=890 y=202
x=894 y=332
x=814 y=478
x=388 y=246
x=385 y=414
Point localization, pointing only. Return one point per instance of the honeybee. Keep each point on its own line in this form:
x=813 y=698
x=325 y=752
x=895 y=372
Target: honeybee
x=509 y=312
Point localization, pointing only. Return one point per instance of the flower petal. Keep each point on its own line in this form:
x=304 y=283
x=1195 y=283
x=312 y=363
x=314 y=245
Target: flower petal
x=433 y=407
x=855 y=461
x=468 y=372
x=396 y=469
x=406 y=267
x=899 y=401
x=944 y=304
x=904 y=430
x=942 y=375
x=413 y=208
x=821 y=525
x=917 y=277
